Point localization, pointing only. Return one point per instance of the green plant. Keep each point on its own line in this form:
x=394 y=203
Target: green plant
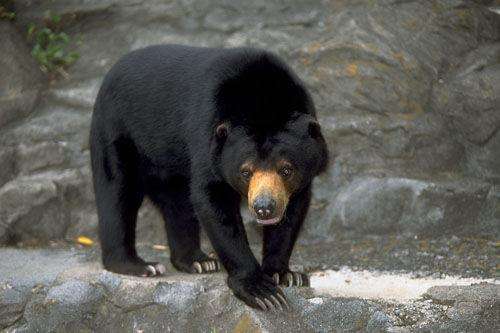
x=50 y=45
x=6 y=12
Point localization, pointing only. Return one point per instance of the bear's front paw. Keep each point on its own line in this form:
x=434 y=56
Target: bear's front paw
x=289 y=278
x=259 y=291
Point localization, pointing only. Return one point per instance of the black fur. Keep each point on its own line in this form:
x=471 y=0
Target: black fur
x=175 y=123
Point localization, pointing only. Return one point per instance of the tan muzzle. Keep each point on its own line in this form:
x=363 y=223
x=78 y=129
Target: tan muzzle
x=267 y=197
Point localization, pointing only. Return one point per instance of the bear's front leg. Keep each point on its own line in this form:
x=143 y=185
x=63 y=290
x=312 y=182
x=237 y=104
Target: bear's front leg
x=217 y=206
x=279 y=241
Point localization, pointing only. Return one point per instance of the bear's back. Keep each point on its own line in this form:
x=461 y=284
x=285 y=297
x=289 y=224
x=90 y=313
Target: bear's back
x=171 y=75
x=185 y=90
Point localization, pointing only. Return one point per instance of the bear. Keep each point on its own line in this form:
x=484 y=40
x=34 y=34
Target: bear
x=199 y=131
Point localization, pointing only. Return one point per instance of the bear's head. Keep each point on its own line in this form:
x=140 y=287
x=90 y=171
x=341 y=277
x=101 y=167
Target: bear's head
x=268 y=143
x=268 y=170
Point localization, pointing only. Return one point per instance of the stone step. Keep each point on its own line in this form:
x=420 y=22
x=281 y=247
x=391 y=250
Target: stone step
x=61 y=290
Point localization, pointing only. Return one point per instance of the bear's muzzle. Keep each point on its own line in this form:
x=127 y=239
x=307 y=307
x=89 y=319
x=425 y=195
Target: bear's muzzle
x=267 y=197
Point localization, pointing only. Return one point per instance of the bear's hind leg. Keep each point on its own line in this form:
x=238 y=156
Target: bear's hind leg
x=118 y=199
x=183 y=228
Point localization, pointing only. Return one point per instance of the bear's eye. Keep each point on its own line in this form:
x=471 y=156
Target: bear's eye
x=246 y=174
x=285 y=172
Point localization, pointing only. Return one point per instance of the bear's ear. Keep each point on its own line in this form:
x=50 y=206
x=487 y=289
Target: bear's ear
x=221 y=131
x=314 y=129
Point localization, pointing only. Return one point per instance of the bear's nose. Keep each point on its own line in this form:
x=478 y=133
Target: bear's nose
x=264 y=207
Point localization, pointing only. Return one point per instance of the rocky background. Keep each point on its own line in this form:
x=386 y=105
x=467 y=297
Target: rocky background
x=408 y=95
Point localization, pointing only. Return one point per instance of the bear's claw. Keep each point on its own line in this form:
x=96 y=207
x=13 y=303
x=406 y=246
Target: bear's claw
x=273 y=302
x=197 y=263
x=206 y=266
x=136 y=267
x=291 y=279
x=154 y=269
x=259 y=291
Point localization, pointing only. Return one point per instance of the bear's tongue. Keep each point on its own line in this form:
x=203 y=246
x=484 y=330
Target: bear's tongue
x=269 y=221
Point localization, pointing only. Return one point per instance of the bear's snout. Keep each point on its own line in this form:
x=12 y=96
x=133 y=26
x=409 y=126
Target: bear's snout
x=264 y=206
x=267 y=197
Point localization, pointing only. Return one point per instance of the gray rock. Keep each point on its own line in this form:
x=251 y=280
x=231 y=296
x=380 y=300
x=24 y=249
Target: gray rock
x=68 y=306
x=402 y=205
x=11 y=306
x=35 y=207
x=468 y=96
x=7 y=164
x=72 y=293
x=23 y=270
x=348 y=314
x=20 y=82
x=379 y=321
x=373 y=75
x=448 y=295
x=40 y=156
x=472 y=308
x=66 y=290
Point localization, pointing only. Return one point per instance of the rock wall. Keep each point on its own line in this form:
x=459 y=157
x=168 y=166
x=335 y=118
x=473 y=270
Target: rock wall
x=408 y=94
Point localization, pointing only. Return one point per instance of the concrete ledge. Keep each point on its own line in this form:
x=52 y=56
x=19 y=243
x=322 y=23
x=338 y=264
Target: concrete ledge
x=66 y=290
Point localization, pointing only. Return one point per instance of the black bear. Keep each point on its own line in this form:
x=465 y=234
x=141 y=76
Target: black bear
x=198 y=130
